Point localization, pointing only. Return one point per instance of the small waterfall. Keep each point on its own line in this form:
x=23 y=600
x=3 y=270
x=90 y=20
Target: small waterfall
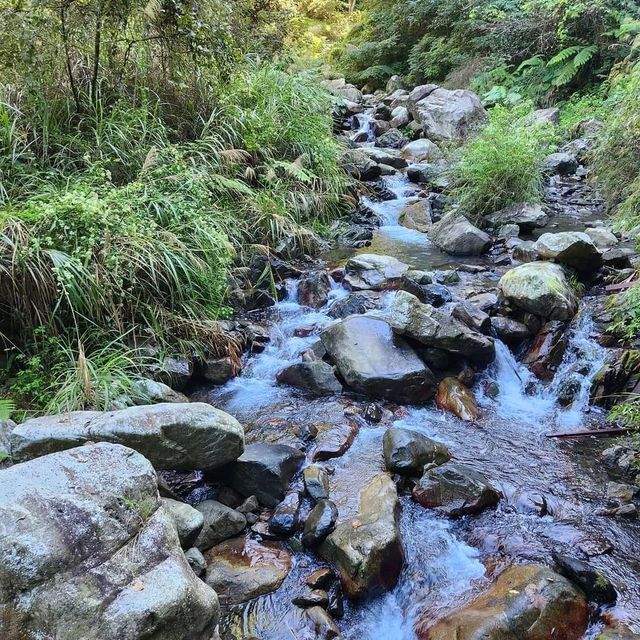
x=256 y=386
x=521 y=396
x=363 y=121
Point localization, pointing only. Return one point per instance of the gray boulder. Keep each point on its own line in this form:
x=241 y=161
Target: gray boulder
x=316 y=482
x=602 y=237
x=360 y=166
x=367 y=551
x=90 y=552
x=317 y=377
x=374 y=361
x=265 y=470
x=172 y=436
x=175 y=372
x=356 y=303
x=219 y=523
x=541 y=288
x=455 y=490
x=400 y=117
x=187 y=520
x=448 y=115
x=563 y=164
x=510 y=330
x=546 y=116
x=455 y=235
x=574 y=249
x=406 y=452
x=372 y=271
x=527 y=216
x=390 y=157
x=434 y=328
x=392 y=139
x=422 y=150
x=154 y=391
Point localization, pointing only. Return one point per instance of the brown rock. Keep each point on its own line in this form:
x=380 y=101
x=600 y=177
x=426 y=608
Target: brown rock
x=453 y=396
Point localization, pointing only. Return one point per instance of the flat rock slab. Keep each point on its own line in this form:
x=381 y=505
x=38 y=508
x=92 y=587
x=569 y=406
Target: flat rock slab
x=88 y=551
x=333 y=441
x=171 y=436
x=242 y=569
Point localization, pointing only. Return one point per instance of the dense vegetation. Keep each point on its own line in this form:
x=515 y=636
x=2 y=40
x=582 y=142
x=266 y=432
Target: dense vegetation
x=142 y=150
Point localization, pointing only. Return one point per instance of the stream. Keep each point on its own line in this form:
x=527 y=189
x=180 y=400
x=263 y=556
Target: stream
x=448 y=562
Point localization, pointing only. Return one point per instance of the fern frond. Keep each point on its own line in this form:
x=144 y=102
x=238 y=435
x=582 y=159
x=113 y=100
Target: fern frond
x=7 y=407
x=565 y=75
x=564 y=55
x=582 y=57
x=535 y=61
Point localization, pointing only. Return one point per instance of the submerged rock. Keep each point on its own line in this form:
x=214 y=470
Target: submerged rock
x=265 y=470
x=372 y=271
x=316 y=377
x=454 y=234
x=242 y=569
x=322 y=625
x=172 y=436
x=433 y=328
x=455 y=490
x=89 y=551
x=374 y=361
x=594 y=584
x=528 y=602
x=407 y=452
x=416 y=216
x=541 y=288
x=455 y=397
x=367 y=551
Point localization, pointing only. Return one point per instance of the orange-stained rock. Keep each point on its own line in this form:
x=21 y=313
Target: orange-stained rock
x=529 y=602
x=453 y=396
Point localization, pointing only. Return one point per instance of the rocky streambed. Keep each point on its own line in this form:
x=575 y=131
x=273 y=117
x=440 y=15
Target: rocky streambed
x=379 y=464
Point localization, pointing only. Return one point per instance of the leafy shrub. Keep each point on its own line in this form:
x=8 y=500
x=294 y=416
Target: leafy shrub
x=502 y=165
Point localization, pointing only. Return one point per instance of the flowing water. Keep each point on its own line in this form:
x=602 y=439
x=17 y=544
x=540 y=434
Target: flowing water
x=447 y=562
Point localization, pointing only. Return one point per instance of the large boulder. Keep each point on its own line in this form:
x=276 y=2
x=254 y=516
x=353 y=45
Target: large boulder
x=265 y=470
x=455 y=490
x=406 y=451
x=242 y=569
x=422 y=150
x=171 y=436
x=541 y=288
x=392 y=139
x=563 y=164
x=528 y=602
x=455 y=235
x=372 y=271
x=526 y=216
x=88 y=551
x=187 y=520
x=374 y=361
x=421 y=322
x=448 y=115
x=367 y=550
x=574 y=249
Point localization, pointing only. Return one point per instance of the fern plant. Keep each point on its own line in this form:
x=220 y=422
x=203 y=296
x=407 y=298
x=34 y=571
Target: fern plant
x=566 y=64
x=7 y=407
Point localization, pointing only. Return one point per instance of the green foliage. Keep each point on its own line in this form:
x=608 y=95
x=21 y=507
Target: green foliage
x=502 y=165
x=7 y=407
x=546 y=46
x=626 y=314
x=617 y=156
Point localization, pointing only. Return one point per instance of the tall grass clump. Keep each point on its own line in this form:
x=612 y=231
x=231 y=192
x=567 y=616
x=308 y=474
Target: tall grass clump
x=502 y=164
